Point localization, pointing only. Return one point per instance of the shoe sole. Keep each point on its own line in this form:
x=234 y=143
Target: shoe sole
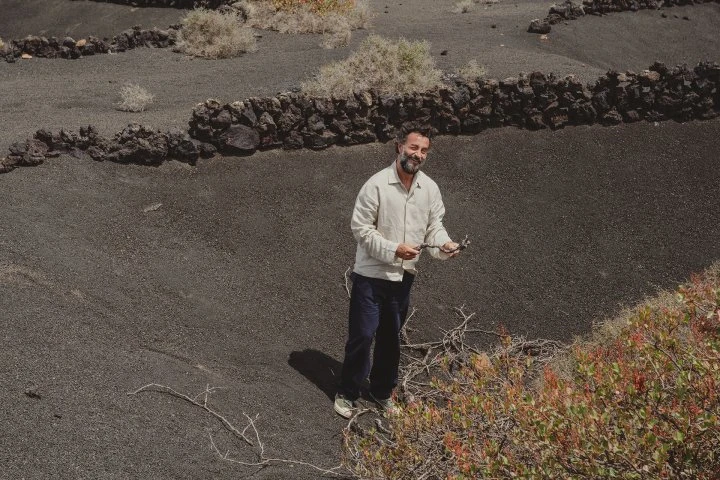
x=339 y=411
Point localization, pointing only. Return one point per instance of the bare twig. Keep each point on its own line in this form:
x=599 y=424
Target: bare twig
x=345 y=276
x=461 y=246
x=156 y=387
x=262 y=460
x=403 y=330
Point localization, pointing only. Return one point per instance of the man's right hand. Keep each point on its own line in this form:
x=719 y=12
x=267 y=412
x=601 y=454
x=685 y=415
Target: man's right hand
x=406 y=252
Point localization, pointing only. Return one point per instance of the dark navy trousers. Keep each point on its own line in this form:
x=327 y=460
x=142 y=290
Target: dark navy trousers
x=378 y=309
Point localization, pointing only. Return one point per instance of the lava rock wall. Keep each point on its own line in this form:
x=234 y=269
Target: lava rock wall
x=69 y=48
x=569 y=10
x=532 y=101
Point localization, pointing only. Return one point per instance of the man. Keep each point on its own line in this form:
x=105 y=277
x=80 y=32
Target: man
x=396 y=211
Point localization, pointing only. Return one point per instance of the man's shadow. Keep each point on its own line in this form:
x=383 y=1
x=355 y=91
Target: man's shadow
x=319 y=368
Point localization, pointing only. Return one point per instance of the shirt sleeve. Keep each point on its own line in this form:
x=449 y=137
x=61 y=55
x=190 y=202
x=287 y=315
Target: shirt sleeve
x=436 y=233
x=364 y=226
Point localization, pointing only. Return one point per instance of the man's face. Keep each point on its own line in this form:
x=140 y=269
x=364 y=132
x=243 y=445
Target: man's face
x=413 y=152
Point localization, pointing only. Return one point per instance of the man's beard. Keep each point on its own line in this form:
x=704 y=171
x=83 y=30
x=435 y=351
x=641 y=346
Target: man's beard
x=407 y=165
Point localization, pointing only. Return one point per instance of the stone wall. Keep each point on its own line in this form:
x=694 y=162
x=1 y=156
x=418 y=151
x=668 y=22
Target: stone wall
x=569 y=10
x=134 y=144
x=294 y=120
x=531 y=101
x=52 y=47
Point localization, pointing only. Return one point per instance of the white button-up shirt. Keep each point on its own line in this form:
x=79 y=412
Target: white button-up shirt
x=386 y=215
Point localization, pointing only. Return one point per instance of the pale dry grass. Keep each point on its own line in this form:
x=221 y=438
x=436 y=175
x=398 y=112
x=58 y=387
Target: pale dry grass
x=472 y=70
x=464 y=6
x=336 y=26
x=2 y=44
x=383 y=65
x=213 y=34
x=134 y=98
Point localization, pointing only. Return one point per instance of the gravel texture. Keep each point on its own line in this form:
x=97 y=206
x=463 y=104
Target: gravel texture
x=230 y=273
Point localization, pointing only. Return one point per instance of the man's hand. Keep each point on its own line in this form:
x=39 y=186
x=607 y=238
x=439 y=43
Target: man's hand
x=451 y=248
x=406 y=252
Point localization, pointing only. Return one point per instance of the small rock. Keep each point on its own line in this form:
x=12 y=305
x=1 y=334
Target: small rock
x=32 y=393
x=539 y=26
x=152 y=208
x=26 y=56
x=240 y=139
x=81 y=43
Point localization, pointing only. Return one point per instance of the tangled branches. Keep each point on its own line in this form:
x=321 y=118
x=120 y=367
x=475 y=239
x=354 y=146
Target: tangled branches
x=444 y=357
x=451 y=392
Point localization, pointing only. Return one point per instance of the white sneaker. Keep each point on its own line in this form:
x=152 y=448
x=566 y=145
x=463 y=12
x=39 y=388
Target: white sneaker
x=387 y=405
x=344 y=407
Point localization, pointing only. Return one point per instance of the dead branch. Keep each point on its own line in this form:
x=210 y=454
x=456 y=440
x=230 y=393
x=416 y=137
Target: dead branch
x=261 y=458
x=403 y=330
x=345 y=276
x=156 y=387
x=461 y=246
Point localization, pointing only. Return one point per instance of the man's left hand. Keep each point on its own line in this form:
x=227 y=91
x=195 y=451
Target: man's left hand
x=451 y=249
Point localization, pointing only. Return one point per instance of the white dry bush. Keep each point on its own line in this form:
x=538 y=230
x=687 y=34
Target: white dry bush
x=472 y=70
x=2 y=44
x=384 y=65
x=336 y=39
x=134 y=98
x=213 y=34
x=336 y=27
x=464 y=6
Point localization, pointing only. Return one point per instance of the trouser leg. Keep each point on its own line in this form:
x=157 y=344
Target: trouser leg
x=386 y=356
x=364 y=317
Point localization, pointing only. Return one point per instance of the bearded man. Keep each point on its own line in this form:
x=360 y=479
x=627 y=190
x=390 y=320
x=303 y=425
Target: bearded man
x=397 y=211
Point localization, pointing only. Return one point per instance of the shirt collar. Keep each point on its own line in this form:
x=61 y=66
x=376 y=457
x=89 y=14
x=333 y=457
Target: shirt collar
x=393 y=176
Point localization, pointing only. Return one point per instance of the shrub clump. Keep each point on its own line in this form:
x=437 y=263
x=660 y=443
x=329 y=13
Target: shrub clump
x=214 y=34
x=335 y=19
x=380 y=64
x=644 y=405
x=321 y=7
x=464 y=6
x=472 y=70
x=2 y=44
x=134 y=98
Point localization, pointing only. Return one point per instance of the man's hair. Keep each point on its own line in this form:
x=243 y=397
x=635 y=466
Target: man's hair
x=408 y=128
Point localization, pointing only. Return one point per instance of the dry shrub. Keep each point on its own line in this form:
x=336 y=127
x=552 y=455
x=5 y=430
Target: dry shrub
x=336 y=39
x=134 y=98
x=214 y=34
x=336 y=20
x=2 y=44
x=381 y=64
x=640 y=402
x=472 y=70
x=321 y=7
x=464 y=6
